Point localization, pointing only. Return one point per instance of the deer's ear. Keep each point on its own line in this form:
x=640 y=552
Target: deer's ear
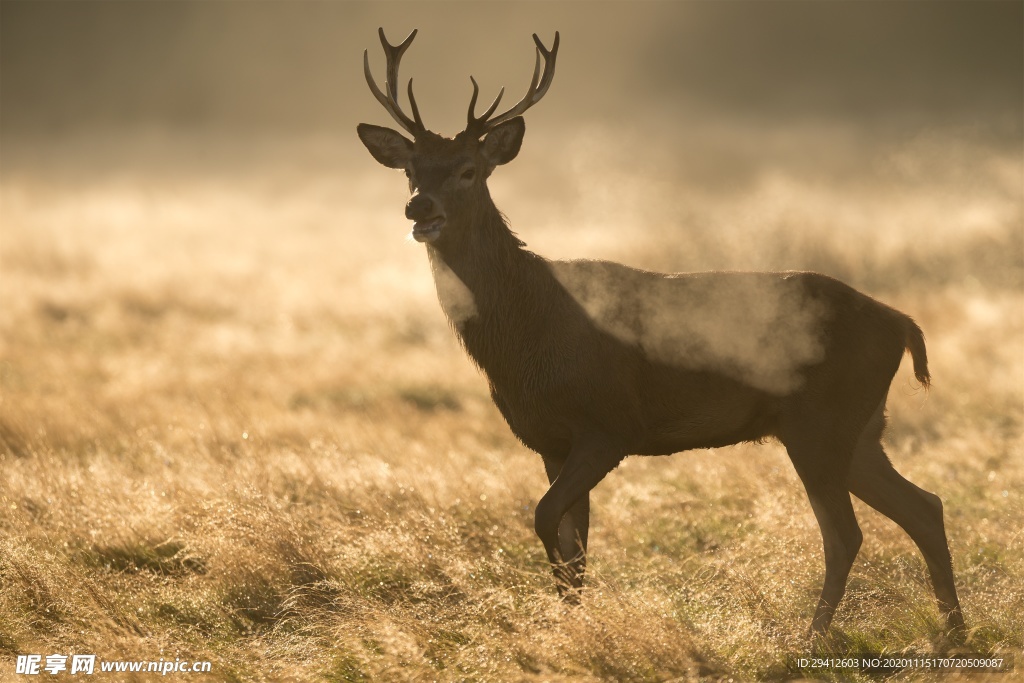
x=387 y=146
x=502 y=144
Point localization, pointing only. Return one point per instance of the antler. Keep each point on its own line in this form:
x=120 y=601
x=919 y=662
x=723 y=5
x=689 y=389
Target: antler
x=390 y=100
x=539 y=85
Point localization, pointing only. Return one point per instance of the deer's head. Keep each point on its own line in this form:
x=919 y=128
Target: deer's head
x=448 y=176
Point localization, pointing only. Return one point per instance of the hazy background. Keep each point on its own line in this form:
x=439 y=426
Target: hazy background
x=905 y=116
x=670 y=73
x=284 y=66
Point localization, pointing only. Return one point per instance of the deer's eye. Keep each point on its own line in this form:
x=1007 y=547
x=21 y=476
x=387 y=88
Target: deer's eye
x=469 y=174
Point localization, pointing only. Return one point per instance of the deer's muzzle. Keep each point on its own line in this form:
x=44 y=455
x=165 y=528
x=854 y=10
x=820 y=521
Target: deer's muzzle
x=428 y=216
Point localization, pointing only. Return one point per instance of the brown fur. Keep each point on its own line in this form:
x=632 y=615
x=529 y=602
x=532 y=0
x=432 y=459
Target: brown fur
x=590 y=361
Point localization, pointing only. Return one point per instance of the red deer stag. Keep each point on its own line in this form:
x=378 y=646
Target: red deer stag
x=590 y=361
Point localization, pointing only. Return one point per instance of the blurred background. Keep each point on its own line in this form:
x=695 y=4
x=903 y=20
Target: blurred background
x=210 y=147
x=205 y=154
x=876 y=72
x=653 y=106
x=279 y=67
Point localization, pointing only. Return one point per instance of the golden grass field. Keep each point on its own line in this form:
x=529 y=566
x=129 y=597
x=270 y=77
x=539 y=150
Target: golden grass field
x=235 y=427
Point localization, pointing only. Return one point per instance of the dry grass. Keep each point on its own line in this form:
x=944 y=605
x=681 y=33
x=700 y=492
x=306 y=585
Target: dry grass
x=234 y=427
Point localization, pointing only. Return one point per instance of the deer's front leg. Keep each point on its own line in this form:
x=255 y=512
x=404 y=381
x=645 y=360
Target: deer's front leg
x=572 y=542
x=562 y=519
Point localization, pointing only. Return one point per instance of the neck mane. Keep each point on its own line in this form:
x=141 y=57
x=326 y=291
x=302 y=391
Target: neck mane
x=481 y=232
x=490 y=288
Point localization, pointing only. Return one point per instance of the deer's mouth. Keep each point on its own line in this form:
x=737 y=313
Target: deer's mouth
x=427 y=230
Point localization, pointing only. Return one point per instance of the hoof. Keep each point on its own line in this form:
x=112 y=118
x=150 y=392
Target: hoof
x=570 y=595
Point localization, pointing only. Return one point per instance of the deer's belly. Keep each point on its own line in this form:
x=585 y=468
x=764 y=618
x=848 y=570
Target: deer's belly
x=659 y=415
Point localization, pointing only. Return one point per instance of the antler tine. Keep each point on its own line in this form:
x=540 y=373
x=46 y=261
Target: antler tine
x=474 y=121
x=394 y=55
x=549 y=75
x=389 y=100
x=381 y=97
x=539 y=85
x=415 y=110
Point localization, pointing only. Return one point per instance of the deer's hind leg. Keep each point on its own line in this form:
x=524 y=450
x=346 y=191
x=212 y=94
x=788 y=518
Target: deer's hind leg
x=821 y=457
x=874 y=480
x=840 y=536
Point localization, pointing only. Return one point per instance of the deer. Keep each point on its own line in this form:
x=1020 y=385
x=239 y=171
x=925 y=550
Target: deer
x=591 y=361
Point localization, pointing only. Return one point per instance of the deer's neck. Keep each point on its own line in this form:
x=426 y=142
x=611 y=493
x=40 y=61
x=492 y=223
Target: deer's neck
x=489 y=286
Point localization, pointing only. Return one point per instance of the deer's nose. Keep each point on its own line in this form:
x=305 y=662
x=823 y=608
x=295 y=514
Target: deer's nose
x=420 y=208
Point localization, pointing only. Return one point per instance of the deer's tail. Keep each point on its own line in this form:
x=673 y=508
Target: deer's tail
x=914 y=343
